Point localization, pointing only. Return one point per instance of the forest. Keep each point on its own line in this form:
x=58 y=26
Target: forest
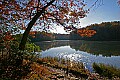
x=105 y=31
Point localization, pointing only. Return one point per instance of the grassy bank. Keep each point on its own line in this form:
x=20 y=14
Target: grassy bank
x=48 y=68
x=106 y=70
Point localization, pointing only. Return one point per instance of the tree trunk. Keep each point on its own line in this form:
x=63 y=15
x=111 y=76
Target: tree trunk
x=31 y=23
x=19 y=59
x=25 y=34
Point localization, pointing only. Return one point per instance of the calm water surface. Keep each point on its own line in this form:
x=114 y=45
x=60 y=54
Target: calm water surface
x=88 y=52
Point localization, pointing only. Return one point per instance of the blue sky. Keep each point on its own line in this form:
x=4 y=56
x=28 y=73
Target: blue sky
x=109 y=11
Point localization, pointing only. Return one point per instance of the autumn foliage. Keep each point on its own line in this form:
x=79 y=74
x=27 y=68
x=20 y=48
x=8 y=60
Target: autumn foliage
x=85 y=32
x=63 y=12
x=8 y=37
x=47 y=14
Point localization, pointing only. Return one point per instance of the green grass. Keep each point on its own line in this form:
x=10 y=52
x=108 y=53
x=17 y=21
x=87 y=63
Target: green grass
x=106 y=70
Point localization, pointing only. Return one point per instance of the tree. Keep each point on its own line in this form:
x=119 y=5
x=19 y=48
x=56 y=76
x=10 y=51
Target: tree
x=18 y=15
x=45 y=13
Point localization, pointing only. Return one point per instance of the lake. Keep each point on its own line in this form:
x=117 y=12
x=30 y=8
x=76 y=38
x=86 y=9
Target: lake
x=88 y=52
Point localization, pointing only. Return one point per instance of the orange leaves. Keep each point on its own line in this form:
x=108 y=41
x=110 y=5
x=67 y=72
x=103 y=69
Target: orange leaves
x=25 y=62
x=71 y=4
x=6 y=11
x=23 y=28
x=48 y=14
x=73 y=14
x=8 y=37
x=85 y=32
x=38 y=71
x=82 y=14
x=31 y=3
x=16 y=16
x=64 y=10
x=32 y=33
x=47 y=34
x=17 y=7
x=59 y=11
x=33 y=36
x=61 y=16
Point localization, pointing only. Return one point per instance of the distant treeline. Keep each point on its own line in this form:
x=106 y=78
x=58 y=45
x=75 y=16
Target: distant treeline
x=44 y=36
x=106 y=31
x=41 y=36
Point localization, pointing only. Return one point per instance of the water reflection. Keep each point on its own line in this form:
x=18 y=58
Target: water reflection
x=104 y=48
x=83 y=51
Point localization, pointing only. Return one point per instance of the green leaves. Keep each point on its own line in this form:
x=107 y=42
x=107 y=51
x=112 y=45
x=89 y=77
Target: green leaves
x=106 y=70
x=31 y=47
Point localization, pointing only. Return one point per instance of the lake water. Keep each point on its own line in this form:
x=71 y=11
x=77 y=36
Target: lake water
x=88 y=52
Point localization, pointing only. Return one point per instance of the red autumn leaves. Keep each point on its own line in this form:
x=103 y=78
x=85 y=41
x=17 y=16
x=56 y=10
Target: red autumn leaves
x=8 y=37
x=85 y=32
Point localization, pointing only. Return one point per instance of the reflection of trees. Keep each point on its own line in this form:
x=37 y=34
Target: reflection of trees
x=94 y=47
x=97 y=48
x=50 y=44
